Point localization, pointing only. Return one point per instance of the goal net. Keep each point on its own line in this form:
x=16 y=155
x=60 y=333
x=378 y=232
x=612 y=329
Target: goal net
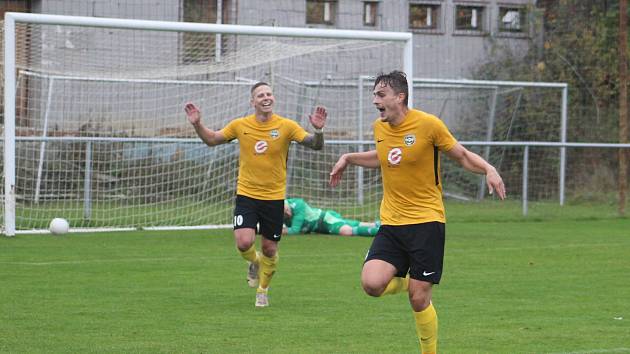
x=95 y=130
x=487 y=116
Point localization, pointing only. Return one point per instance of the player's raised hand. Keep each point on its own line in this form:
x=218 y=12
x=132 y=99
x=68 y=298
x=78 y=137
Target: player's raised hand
x=318 y=118
x=192 y=113
x=495 y=183
x=337 y=171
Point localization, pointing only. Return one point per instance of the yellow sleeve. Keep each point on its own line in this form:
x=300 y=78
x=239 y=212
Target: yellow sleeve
x=229 y=131
x=443 y=138
x=297 y=132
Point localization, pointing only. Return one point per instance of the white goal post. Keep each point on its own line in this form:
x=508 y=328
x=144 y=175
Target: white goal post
x=85 y=72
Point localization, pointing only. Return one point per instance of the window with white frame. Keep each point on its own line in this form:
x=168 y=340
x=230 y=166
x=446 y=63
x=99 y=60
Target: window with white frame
x=370 y=13
x=198 y=47
x=424 y=16
x=512 y=19
x=321 y=12
x=469 y=18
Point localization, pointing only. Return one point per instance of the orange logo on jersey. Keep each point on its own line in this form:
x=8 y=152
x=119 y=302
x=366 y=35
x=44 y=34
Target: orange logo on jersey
x=394 y=156
x=261 y=147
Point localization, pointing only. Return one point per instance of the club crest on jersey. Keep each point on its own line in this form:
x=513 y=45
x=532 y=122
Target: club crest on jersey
x=274 y=134
x=394 y=156
x=410 y=139
x=261 y=146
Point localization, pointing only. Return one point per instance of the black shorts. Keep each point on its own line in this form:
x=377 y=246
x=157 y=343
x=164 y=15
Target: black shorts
x=417 y=249
x=268 y=214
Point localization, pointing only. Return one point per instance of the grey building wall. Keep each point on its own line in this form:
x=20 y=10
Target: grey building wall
x=442 y=53
x=437 y=54
x=166 y=10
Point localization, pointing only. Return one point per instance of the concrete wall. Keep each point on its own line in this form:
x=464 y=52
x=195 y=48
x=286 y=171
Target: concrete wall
x=437 y=54
x=442 y=53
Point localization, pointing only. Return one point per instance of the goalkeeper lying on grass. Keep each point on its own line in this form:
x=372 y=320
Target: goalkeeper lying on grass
x=301 y=218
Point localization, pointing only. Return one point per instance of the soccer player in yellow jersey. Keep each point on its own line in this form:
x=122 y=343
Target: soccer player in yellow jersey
x=408 y=250
x=264 y=139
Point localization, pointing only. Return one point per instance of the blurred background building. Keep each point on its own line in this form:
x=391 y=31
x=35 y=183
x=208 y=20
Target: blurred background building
x=451 y=37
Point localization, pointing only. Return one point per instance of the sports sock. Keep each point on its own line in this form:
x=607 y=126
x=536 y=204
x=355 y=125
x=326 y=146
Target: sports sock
x=396 y=285
x=267 y=268
x=250 y=254
x=427 y=329
x=364 y=230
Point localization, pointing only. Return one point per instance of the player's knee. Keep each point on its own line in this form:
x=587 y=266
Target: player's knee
x=345 y=230
x=373 y=289
x=244 y=238
x=243 y=244
x=269 y=249
x=419 y=300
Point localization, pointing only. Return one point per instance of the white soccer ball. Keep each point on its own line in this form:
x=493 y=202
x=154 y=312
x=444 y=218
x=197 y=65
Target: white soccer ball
x=59 y=226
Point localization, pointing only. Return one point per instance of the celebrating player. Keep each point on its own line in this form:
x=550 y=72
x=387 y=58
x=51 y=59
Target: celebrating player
x=301 y=218
x=264 y=139
x=408 y=250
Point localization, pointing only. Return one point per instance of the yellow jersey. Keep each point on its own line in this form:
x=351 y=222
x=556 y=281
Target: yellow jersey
x=410 y=166
x=263 y=153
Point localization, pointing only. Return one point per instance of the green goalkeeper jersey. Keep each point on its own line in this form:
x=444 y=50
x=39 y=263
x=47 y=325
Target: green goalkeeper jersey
x=304 y=218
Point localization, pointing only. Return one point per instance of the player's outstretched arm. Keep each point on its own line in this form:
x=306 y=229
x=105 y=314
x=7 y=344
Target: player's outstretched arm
x=476 y=164
x=297 y=221
x=210 y=137
x=367 y=159
x=318 y=119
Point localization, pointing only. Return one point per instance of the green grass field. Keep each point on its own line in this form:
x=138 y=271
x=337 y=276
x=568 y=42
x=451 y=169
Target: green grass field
x=509 y=287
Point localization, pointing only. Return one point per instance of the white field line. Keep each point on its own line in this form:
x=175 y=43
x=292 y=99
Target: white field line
x=164 y=259
x=593 y=351
x=117 y=260
x=560 y=246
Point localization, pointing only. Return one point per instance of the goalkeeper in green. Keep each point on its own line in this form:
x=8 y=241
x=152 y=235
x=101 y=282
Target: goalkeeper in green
x=301 y=218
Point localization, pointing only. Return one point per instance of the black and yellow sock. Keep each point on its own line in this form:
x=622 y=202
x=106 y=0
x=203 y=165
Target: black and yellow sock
x=267 y=268
x=396 y=285
x=250 y=254
x=427 y=329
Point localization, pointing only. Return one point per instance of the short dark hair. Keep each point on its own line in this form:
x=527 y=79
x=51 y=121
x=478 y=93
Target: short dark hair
x=257 y=85
x=397 y=80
